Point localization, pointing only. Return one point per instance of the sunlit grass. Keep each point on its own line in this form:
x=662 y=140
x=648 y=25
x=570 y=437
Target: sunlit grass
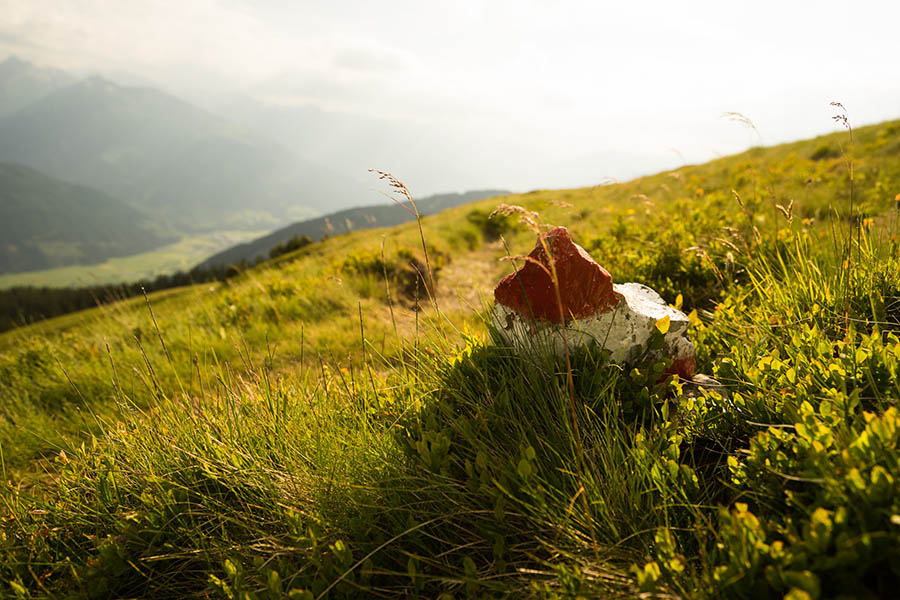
x=302 y=431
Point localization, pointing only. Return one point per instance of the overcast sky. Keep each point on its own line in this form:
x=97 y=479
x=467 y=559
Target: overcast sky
x=525 y=94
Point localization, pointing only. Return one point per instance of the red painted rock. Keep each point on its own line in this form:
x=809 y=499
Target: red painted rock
x=620 y=318
x=585 y=287
x=683 y=367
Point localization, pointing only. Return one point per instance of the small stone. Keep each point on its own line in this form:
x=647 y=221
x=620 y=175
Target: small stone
x=620 y=318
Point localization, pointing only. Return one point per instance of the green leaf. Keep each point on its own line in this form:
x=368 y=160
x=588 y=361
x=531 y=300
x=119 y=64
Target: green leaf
x=791 y=375
x=18 y=589
x=469 y=567
x=275 y=584
x=524 y=468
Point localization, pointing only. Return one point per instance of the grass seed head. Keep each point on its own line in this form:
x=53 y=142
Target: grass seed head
x=528 y=218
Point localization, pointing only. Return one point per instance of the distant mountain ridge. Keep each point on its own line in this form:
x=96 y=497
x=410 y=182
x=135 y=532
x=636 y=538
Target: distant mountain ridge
x=176 y=162
x=113 y=170
x=367 y=217
x=46 y=223
x=21 y=83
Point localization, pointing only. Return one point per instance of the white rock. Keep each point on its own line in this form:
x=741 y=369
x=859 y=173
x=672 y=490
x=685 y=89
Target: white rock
x=624 y=331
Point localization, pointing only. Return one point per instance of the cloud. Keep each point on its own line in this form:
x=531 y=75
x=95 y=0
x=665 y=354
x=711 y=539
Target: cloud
x=503 y=79
x=370 y=59
x=163 y=41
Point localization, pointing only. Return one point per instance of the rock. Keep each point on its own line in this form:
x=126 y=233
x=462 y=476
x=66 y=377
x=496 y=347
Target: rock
x=619 y=318
x=584 y=286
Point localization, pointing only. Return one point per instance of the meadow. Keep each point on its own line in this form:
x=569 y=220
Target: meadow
x=178 y=256
x=339 y=422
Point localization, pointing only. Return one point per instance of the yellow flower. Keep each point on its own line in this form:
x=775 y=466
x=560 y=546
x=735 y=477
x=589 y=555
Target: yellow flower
x=700 y=192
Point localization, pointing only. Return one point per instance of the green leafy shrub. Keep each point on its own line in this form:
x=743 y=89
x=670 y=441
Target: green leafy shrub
x=295 y=243
x=405 y=272
x=824 y=151
x=491 y=227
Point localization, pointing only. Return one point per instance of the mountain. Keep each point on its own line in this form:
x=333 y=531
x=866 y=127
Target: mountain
x=176 y=162
x=45 y=223
x=428 y=156
x=368 y=217
x=22 y=83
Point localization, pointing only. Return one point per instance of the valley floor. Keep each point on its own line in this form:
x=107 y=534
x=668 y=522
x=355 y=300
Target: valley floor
x=179 y=256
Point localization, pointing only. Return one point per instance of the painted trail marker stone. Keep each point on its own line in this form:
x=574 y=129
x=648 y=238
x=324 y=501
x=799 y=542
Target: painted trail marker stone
x=619 y=318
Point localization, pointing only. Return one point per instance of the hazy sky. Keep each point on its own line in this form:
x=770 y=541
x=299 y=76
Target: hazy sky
x=526 y=94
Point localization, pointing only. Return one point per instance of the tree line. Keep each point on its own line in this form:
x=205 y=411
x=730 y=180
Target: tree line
x=22 y=305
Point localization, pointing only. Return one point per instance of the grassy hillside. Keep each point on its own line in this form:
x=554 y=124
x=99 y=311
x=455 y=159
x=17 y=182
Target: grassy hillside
x=352 y=219
x=46 y=223
x=302 y=431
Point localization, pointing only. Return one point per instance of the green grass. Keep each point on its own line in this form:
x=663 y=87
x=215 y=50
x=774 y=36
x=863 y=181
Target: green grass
x=290 y=433
x=179 y=256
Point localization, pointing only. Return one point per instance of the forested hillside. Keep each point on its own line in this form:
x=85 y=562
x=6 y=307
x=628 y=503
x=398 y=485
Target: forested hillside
x=352 y=219
x=45 y=223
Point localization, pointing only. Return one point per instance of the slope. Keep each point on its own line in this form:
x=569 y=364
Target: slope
x=303 y=430
x=46 y=223
x=22 y=83
x=352 y=219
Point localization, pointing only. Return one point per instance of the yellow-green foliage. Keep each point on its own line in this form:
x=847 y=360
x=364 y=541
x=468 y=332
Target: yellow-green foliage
x=301 y=431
